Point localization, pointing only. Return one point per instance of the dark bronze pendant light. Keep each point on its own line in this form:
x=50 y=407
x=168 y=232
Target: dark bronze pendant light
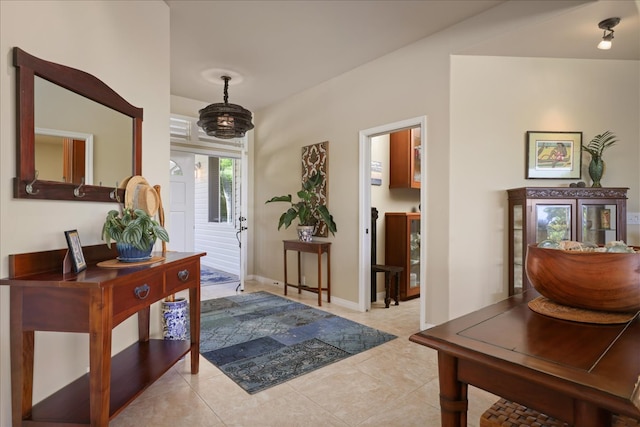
x=224 y=120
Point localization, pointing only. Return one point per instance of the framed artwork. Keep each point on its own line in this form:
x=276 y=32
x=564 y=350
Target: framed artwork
x=315 y=159
x=75 y=251
x=554 y=155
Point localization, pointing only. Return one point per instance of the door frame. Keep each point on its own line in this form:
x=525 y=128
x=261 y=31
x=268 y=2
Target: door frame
x=242 y=156
x=364 y=276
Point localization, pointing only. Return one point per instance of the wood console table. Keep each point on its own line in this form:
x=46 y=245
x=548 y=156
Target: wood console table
x=579 y=373
x=314 y=248
x=95 y=301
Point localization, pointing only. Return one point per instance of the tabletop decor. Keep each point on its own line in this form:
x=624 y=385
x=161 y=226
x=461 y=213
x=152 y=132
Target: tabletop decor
x=135 y=233
x=308 y=209
x=75 y=254
x=606 y=281
x=553 y=155
x=596 y=147
x=260 y=340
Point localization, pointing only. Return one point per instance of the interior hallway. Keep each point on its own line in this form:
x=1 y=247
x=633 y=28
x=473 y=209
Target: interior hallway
x=394 y=384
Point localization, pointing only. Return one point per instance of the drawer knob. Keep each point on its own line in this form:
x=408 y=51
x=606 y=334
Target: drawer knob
x=183 y=275
x=142 y=291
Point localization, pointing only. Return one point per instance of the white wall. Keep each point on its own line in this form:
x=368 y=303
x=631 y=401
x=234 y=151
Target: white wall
x=494 y=101
x=126 y=45
x=415 y=81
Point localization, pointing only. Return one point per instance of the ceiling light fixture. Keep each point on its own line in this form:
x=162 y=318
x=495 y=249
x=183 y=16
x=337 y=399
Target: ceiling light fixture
x=224 y=120
x=607 y=25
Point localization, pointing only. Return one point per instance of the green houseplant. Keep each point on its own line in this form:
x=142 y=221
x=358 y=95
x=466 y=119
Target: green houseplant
x=596 y=147
x=306 y=210
x=132 y=230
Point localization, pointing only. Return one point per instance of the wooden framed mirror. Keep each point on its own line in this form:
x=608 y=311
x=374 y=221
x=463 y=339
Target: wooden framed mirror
x=99 y=132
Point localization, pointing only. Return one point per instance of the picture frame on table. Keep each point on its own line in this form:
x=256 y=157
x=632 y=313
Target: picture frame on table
x=553 y=155
x=75 y=251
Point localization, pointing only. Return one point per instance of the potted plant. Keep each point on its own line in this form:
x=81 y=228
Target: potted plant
x=307 y=210
x=134 y=231
x=596 y=147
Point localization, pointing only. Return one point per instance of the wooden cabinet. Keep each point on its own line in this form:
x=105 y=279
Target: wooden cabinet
x=405 y=152
x=94 y=302
x=402 y=249
x=596 y=215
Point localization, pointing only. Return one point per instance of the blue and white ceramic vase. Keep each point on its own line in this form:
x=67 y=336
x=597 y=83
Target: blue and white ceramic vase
x=175 y=319
x=305 y=232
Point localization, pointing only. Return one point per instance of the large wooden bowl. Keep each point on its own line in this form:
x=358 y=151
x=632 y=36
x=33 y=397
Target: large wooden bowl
x=592 y=280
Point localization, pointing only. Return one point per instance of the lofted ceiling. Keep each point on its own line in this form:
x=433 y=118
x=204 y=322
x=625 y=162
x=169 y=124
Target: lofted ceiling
x=274 y=49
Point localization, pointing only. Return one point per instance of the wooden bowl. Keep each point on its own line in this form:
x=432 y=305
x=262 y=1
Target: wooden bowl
x=592 y=280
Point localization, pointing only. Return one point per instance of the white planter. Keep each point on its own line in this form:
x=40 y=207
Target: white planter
x=305 y=233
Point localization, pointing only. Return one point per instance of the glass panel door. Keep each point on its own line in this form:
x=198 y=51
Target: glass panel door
x=599 y=223
x=518 y=253
x=553 y=222
x=414 y=254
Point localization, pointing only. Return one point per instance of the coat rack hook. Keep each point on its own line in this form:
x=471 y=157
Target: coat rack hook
x=29 y=188
x=114 y=194
x=76 y=191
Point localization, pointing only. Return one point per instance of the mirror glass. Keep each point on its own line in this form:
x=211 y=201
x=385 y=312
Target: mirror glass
x=64 y=122
x=77 y=138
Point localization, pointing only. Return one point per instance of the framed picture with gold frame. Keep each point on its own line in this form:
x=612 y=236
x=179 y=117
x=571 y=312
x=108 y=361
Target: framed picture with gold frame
x=554 y=155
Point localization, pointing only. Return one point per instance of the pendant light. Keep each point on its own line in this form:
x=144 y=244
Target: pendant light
x=224 y=120
x=607 y=25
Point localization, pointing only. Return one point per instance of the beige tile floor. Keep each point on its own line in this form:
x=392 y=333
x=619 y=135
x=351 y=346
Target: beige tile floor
x=394 y=384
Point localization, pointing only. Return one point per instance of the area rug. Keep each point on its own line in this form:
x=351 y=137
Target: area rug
x=213 y=276
x=260 y=340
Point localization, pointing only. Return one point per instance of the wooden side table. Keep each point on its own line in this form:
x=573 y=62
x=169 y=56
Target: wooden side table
x=315 y=248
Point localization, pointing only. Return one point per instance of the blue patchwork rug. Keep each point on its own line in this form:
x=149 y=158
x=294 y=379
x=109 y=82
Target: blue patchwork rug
x=260 y=340
x=212 y=276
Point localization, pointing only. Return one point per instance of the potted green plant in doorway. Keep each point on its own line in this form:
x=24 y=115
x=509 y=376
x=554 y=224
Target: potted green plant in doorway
x=307 y=210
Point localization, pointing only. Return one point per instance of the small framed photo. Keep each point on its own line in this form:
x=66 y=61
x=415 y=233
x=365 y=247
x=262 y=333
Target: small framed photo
x=75 y=251
x=554 y=155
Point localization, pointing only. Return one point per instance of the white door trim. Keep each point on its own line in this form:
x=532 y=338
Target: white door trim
x=364 y=294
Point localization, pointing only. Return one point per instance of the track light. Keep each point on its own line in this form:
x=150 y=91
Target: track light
x=607 y=25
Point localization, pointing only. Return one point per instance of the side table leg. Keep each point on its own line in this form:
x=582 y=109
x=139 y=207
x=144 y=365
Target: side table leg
x=194 y=320
x=299 y=276
x=100 y=325
x=285 y=273
x=319 y=277
x=453 y=393
x=22 y=348
x=328 y=273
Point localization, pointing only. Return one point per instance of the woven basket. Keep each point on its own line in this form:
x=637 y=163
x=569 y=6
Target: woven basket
x=505 y=413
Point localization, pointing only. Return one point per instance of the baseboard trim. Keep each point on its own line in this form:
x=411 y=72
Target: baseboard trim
x=334 y=300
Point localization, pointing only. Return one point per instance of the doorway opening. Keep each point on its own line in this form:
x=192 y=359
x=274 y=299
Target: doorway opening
x=366 y=141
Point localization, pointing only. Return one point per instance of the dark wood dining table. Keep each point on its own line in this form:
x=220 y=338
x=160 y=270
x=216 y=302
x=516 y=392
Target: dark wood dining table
x=580 y=373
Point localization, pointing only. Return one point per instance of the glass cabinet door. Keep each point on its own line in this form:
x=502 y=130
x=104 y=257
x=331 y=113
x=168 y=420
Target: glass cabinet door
x=598 y=223
x=518 y=249
x=414 y=255
x=416 y=152
x=553 y=222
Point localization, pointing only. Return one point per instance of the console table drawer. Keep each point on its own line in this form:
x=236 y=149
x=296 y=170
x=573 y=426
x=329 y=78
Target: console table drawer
x=136 y=295
x=181 y=276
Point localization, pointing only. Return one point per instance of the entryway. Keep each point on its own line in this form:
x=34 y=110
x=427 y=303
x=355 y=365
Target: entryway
x=365 y=141
x=206 y=207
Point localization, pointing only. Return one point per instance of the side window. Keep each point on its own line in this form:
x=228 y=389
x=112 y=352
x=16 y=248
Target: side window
x=221 y=189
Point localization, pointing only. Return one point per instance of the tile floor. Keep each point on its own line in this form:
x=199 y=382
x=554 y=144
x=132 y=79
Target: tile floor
x=395 y=384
